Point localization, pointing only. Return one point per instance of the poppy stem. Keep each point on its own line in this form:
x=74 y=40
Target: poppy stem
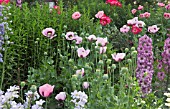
x=46 y=103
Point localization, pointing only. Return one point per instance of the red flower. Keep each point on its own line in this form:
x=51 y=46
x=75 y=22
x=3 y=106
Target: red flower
x=57 y=8
x=104 y=20
x=136 y=30
x=4 y=1
x=114 y=3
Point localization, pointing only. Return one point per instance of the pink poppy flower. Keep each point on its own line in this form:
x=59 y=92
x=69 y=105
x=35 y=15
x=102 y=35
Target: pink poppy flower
x=78 y=39
x=103 y=50
x=125 y=29
x=132 y=21
x=167 y=15
x=167 y=7
x=46 y=90
x=99 y=14
x=86 y=85
x=76 y=15
x=142 y=16
x=70 y=36
x=48 y=32
x=61 y=96
x=118 y=57
x=161 y=4
x=147 y=14
x=80 y=72
x=140 y=24
x=104 y=20
x=92 y=37
x=133 y=11
x=140 y=7
x=101 y=41
x=153 y=29
x=4 y=1
x=82 y=53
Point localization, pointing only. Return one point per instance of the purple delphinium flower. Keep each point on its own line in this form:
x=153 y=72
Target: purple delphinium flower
x=166 y=52
x=161 y=76
x=144 y=69
x=2 y=29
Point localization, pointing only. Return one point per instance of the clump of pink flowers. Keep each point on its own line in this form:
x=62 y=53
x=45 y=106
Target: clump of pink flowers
x=140 y=7
x=114 y=3
x=72 y=36
x=104 y=20
x=145 y=15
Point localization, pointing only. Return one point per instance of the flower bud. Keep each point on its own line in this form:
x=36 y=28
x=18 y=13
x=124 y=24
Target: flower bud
x=105 y=56
x=63 y=35
x=75 y=67
x=74 y=77
x=85 y=85
x=82 y=34
x=108 y=61
x=65 y=26
x=22 y=84
x=134 y=53
x=33 y=88
x=45 y=53
x=133 y=48
x=108 y=67
x=71 y=61
x=124 y=70
x=100 y=62
x=105 y=76
x=37 y=39
x=126 y=50
x=113 y=66
x=129 y=61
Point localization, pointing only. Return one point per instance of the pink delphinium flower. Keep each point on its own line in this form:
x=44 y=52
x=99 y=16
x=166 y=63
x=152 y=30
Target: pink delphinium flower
x=76 y=15
x=161 y=4
x=80 y=72
x=101 y=41
x=118 y=57
x=70 y=36
x=61 y=96
x=153 y=29
x=103 y=50
x=85 y=85
x=48 y=32
x=82 y=53
x=46 y=90
x=78 y=39
x=125 y=29
x=92 y=37
x=99 y=14
x=167 y=7
x=133 y=11
x=140 y=7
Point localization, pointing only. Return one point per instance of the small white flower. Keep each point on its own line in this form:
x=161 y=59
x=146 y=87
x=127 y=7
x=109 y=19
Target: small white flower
x=40 y=102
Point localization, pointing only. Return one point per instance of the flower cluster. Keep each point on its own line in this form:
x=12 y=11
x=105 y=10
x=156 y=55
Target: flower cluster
x=79 y=99
x=145 y=15
x=136 y=26
x=7 y=99
x=144 y=69
x=114 y=3
x=73 y=36
x=104 y=20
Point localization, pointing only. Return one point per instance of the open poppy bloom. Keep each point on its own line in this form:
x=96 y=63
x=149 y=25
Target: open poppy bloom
x=82 y=53
x=46 y=90
x=136 y=30
x=48 y=32
x=118 y=57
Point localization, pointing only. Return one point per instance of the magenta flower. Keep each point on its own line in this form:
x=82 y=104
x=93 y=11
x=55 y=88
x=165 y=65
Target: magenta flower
x=46 y=90
x=92 y=37
x=80 y=72
x=101 y=41
x=82 y=53
x=85 y=85
x=118 y=57
x=153 y=29
x=140 y=7
x=99 y=14
x=133 y=11
x=61 y=96
x=70 y=36
x=103 y=50
x=125 y=29
x=48 y=32
x=78 y=39
x=76 y=15
x=167 y=7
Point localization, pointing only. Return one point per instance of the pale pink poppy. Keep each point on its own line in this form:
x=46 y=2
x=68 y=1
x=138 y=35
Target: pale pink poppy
x=49 y=32
x=132 y=21
x=82 y=53
x=140 y=7
x=167 y=15
x=101 y=41
x=86 y=85
x=92 y=37
x=161 y=4
x=80 y=72
x=133 y=11
x=78 y=39
x=76 y=15
x=99 y=14
x=140 y=24
x=61 y=96
x=103 y=50
x=147 y=14
x=70 y=36
x=153 y=29
x=118 y=57
x=124 y=29
x=46 y=90
x=142 y=15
